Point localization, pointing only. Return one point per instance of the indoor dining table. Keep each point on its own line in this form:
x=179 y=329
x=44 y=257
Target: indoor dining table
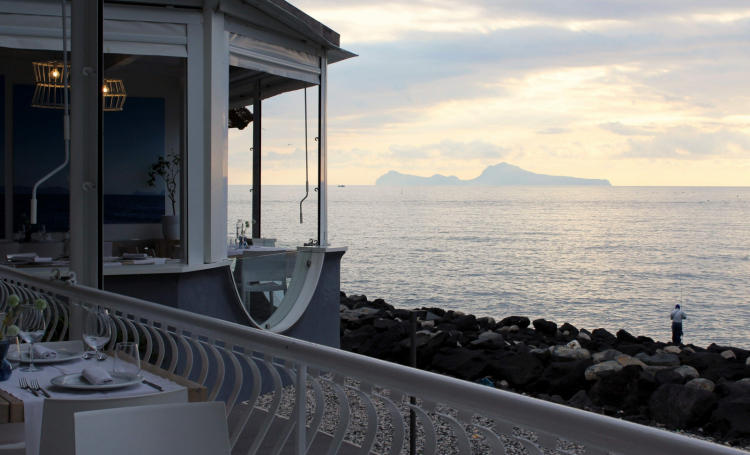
x=33 y=406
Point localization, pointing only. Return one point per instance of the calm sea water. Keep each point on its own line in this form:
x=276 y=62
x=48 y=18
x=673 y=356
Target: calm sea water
x=612 y=257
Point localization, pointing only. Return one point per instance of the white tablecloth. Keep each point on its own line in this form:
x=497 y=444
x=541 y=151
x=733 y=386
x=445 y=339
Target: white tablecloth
x=33 y=406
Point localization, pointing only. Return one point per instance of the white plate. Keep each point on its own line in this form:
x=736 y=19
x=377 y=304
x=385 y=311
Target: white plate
x=77 y=381
x=63 y=355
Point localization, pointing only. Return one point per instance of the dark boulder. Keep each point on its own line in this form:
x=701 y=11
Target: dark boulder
x=357 y=298
x=580 y=400
x=521 y=321
x=569 y=328
x=732 y=417
x=612 y=389
x=624 y=336
x=701 y=360
x=382 y=325
x=382 y=345
x=741 y=354
x=632 y=349
x=603 y=336
x=667 y=376
x=439 y=312
x=427 y=353
x=460 y=363
x=728 y=371
x=352 y=340
x=518 y=369
x=447 y=327
x=563 y=378
x=643 y=340
x=681 y=407
x=468 y=322
x=545 y=327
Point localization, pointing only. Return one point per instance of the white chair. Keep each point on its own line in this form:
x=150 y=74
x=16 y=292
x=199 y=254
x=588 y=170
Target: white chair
x=58 y=431
x=173 y=429
x=76 y=345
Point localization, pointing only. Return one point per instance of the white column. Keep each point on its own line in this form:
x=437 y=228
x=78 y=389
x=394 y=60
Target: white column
x=323 y=153
x=216 y=109
x=192 y=203
x=85 y=92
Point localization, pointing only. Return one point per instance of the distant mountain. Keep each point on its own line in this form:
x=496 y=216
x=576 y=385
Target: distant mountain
x=19 y=189
x=497 y=175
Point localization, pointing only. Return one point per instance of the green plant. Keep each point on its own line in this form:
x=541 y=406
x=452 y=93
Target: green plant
x=14 y=307
x=166 y=168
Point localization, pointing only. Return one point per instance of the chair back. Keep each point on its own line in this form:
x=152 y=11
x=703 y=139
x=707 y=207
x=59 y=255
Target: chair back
x=75 y=345
x=58 y=431
x=172 y=429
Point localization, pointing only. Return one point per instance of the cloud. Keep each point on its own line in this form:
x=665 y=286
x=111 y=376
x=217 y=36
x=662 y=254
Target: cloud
x=689 y=143
x=449 y=149
x=554 y=130
x=625 y=130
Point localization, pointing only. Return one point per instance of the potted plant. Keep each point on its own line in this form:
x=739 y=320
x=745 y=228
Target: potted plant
x=167 y=168
x=8 y=330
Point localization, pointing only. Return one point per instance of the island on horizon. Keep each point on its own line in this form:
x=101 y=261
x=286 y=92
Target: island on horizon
x=497 y=175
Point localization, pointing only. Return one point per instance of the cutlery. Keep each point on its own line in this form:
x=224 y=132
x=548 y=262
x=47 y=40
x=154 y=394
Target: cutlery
x=157 y=387
x=35 y=386
x=25 y=385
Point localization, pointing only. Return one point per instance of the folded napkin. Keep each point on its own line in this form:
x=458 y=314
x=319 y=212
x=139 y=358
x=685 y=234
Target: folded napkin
x=40 y=352
x=134 y=256
x=97 y=376
x=40 y=259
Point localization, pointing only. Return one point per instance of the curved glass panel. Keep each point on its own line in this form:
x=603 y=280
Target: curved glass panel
x=266 y=283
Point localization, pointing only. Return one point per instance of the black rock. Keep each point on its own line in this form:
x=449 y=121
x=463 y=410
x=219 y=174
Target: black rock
x=641 y=339
x=668 y=377
x=557 y=399
x=732 y=417
x=613 y=389
x=447 y=327
x=563 y=378
x=384 y=346
x=728 y=371
x=382 y=325
x=603 y=336
x=357 y=298
x=351 y=341
x=623 y=335
x=427 y=353
x=580 y=400
x=520 y=321
x=701 y=360
x=518 y=369
x=569 y=328
x=460 y=363
x=632 y=349
x=468 y=322
x=741 y=354
x=545 y=327
x=681 y=407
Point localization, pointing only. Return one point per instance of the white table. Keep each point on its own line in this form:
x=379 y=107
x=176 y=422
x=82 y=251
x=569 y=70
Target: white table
x=33 y=406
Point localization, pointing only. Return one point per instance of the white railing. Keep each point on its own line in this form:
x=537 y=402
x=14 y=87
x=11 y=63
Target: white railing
x=238 y=364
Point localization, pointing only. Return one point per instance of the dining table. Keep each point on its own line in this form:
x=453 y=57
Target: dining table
x=33 y=406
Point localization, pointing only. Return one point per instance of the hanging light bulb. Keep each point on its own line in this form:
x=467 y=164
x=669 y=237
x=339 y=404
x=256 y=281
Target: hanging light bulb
x=114 y=94
x=55 y=73
x=105 y=89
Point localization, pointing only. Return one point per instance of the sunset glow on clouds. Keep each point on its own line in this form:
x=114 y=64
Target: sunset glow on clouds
x=639 y=92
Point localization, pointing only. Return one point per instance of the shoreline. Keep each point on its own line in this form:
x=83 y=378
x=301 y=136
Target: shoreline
x=702 y=392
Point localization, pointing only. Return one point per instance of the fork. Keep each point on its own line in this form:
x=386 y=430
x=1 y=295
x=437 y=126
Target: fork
x=25 y=385
x=35 y=386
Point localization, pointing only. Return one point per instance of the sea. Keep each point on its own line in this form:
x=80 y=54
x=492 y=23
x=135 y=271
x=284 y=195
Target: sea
x=610 y=257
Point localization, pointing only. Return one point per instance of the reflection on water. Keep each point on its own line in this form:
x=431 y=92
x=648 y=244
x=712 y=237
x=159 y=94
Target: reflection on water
x=612 y=257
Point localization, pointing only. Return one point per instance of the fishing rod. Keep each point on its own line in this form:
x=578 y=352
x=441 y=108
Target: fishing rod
x=307 y=174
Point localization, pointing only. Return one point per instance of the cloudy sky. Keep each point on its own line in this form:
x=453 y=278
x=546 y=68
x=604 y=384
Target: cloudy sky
x=639 y=92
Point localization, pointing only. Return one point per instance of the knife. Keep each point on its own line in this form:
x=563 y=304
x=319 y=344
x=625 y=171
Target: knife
x=157 y=387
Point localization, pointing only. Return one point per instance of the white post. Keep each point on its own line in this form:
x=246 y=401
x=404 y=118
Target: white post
x=300 y=411
x=323 y=153
x=85 y=94
x=193 y=175
x=8 y=153
x=216 y=139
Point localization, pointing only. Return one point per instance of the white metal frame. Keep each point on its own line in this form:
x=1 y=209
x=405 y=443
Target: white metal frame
x=202 y=345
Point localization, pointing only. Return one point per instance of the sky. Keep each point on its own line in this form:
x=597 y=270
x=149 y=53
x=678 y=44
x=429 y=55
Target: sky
x=637 y=92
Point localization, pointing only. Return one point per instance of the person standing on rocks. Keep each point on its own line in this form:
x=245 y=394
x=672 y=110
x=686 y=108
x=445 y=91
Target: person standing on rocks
x=677 y=316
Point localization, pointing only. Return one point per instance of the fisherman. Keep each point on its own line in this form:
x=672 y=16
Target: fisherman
x=677 y=315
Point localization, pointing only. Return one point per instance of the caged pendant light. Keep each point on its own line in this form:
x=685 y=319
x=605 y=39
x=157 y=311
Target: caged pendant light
x=50 y=87
x=114 y=94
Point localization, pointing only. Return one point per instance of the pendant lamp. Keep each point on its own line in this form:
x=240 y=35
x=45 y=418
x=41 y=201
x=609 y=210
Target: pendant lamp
x=49 y=85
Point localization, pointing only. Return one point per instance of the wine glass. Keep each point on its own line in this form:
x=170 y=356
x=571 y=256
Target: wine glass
x=97 y=329
x=32 y=324
x=127 y=360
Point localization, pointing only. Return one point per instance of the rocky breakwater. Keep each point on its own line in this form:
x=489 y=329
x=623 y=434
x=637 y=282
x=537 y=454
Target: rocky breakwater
x=705 y=391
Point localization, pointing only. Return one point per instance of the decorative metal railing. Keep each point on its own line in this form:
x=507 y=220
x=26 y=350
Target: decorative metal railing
x=353 y=398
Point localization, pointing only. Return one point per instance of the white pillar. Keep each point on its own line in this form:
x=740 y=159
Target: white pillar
x=323 y=153
x=8 y=153
x=193 y=175
x=216 y=139
x=85 y=95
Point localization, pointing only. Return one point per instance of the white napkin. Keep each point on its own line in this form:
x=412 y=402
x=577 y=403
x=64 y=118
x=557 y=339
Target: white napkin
x=97 y=376
x=40 y=352
x=134 y=256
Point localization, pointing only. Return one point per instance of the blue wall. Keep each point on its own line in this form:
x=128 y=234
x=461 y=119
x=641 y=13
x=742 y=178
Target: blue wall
x=133 y=139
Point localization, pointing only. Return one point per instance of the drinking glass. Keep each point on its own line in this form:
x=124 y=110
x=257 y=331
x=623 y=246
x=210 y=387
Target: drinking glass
x=97 y=329
x=127 y=360
x=15 y=347
x=32 y=324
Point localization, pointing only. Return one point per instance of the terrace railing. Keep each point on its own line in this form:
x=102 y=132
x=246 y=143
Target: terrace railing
x=368 y=400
